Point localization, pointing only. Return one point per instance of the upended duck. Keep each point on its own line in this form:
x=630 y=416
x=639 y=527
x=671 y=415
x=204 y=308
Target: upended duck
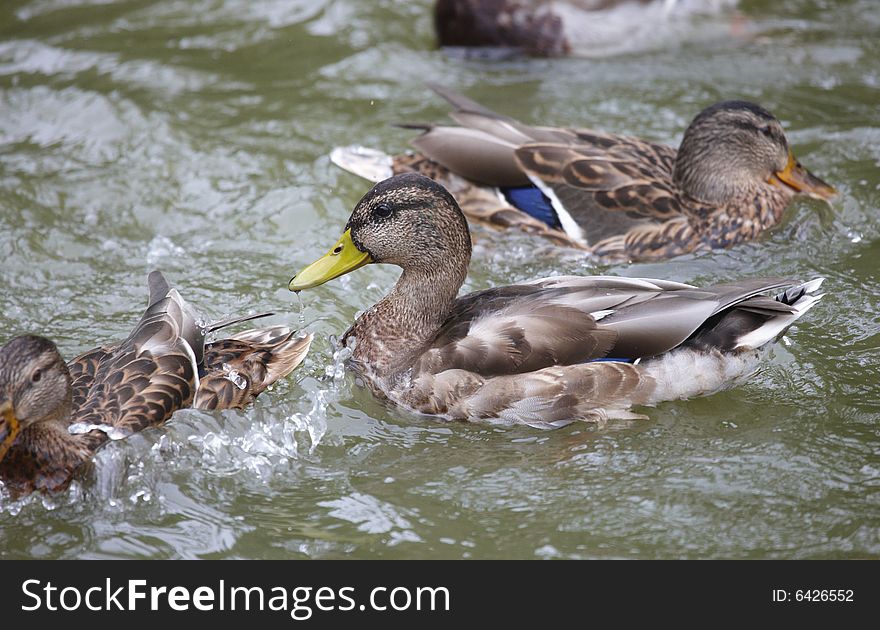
x=617 y=197
x=546 y=352
x=54 y=417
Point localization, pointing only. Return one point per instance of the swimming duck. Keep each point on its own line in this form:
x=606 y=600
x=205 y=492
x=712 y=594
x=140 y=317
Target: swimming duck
x=545 y=352
x=617 y=197
x=54 y=417
x=588 y=28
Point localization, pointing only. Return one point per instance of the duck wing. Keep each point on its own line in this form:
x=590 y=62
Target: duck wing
x=239 y=368
x=82 y=372
x=144 y=379
x=570 y=320
x=602 y=186
x=483 y=148
x=84 y=367
x=484 y=363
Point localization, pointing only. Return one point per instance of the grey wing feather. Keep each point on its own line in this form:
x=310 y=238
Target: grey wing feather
x=473 y=154
x=158 y=285
x=526 y=352
x=569 y=320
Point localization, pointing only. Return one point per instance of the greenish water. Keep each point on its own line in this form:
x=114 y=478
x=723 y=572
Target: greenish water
x=193 y=137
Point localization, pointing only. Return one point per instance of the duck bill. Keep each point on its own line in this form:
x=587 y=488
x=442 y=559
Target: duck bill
x=343 y=258
x=9 y=427
x=803 y=181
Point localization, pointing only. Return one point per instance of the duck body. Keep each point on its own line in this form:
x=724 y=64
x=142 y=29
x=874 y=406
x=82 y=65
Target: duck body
x=617 y=197
x=546 y=352
x=116 y=390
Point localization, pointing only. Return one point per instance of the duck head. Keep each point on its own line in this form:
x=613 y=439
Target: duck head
x=733 y=149
x=407 y=220
x=35 y=386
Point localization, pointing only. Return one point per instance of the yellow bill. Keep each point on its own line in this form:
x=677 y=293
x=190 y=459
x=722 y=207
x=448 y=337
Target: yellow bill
x=803 y=181
x=340 y=260
x=9 y=427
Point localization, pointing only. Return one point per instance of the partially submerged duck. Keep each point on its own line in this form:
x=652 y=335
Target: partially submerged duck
x=617 y=197
x=54 y=417
x=545 y=352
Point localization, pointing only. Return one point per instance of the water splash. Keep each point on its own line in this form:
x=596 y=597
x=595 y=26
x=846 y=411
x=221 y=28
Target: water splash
x=203 y=325
x=114 y=433
x=335 y=371
x=162 y=247
x=237 y=379
x=47 y=502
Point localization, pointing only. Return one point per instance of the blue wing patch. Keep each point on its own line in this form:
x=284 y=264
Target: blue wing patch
x=534 y=203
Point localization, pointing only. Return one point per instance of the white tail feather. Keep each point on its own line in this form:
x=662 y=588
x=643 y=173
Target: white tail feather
x=777 y=325
x=371 y=164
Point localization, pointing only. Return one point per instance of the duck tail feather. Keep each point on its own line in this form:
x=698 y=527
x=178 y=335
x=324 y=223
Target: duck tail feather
x=159 y=286
x=801 y=298
x=371 y=164
x=464 y=104
x=414 y=125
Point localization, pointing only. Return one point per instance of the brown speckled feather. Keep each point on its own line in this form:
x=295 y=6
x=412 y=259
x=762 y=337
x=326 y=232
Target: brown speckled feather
x=45 y=457
x=148 y=376
x=82 y=372
x=238 y=369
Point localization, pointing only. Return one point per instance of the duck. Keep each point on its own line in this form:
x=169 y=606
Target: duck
x=581 y=28
x=546 y=352
x=619 y=198
x=54 y=416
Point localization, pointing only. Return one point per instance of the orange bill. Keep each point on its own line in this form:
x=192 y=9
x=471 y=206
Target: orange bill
x=9 y=427
x=796 y=177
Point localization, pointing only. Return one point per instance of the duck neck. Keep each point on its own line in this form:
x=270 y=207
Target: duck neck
x=394 y=332
x=43 y=457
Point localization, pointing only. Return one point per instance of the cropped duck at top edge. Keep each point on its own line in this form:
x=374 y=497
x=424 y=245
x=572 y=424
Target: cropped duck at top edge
x=546 y=352
x=54 y=417
x=579 y=28
x=617 y=197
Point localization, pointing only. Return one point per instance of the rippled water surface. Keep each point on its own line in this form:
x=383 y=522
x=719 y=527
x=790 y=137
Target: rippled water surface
x=193 y=137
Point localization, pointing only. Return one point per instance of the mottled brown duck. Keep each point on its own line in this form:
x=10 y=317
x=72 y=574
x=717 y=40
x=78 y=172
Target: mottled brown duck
x=54 y=417
x=545 y=352
x=617 y=197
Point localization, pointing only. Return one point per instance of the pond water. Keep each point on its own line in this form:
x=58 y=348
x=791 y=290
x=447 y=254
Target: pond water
x=194 y=137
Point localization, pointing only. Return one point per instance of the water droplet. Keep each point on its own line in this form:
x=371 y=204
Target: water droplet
x=302 y=308
x=232 y=375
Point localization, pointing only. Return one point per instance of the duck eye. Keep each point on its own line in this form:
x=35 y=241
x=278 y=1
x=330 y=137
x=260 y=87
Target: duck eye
x=767 y=131
x=36 y=376
x=382 y=210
